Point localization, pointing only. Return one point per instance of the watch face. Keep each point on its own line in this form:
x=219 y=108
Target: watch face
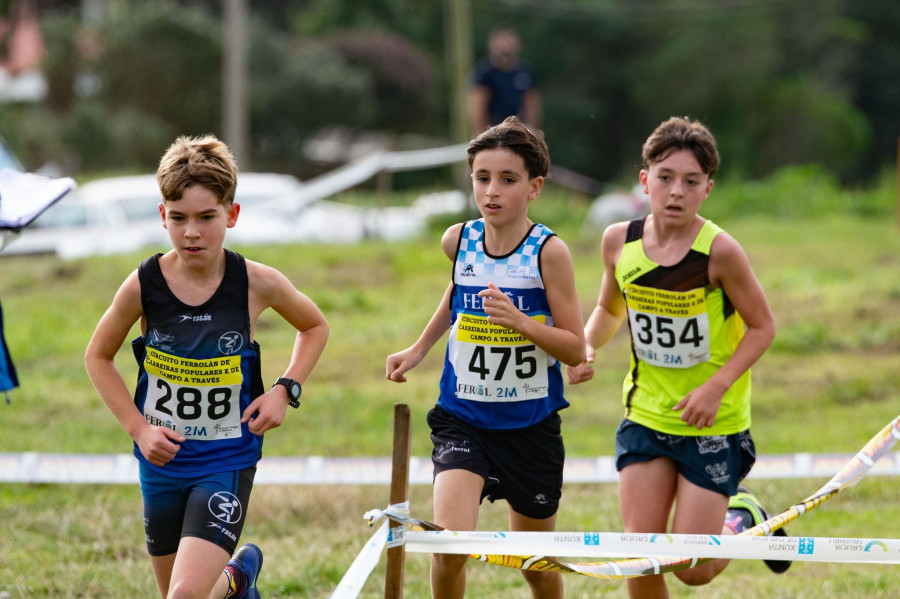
x=295 y=390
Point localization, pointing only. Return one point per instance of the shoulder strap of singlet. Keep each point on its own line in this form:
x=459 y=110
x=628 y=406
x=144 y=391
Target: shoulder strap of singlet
x=462 y=233
x=235 y=265
x=149 y=268
x=705 y=237
x=635 y=229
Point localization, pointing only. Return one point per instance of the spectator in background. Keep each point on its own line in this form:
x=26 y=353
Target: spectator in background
x=503 y=86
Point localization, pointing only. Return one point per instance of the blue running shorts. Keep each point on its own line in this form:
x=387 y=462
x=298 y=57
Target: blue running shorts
x=211 y=507
x=715 y=462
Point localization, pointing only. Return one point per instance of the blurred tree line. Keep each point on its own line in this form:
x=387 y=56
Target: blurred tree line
x=780 y=82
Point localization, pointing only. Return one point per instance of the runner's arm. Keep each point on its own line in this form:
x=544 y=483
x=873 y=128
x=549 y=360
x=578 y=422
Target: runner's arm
x=157 y=444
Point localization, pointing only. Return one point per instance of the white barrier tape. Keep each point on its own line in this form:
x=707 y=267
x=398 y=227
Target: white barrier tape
x=417 y=159
x=355 y=577
x=363 y=169
x=395 y=511
x=352 y=583
x=398 y=512
x=316 y=470
x=397 y=536
x=612 y=545
x=342 y=178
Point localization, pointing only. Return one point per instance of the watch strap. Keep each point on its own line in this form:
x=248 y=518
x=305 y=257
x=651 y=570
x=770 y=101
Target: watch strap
x=291 y=385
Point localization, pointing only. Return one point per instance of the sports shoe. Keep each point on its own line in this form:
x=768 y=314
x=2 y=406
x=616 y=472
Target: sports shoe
x=248 y=562
x=745 y=503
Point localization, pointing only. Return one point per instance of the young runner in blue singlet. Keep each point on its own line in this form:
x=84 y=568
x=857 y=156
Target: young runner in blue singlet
x=200 y=409
x=513 y=315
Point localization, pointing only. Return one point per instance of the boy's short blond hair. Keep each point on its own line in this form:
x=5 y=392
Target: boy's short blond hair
x=205 y=161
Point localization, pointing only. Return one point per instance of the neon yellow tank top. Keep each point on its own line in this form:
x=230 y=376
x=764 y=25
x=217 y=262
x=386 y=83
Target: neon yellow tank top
x=682 y=331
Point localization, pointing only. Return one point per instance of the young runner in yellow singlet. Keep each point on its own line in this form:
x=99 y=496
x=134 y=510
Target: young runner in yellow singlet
x=699 y=320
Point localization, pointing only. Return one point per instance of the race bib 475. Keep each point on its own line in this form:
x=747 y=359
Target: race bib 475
x=493 y=363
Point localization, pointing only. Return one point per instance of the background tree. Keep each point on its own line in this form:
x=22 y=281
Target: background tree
x=781 y=83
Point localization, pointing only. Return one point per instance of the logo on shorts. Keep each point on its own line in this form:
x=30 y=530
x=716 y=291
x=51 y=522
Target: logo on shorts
x=230 y=343
x=225 y=507
x=541 y=499
x=718 y=472
x=443 y=452
x=223 y=530
x=712 y=444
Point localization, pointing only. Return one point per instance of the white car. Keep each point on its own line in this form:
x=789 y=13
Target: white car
x=120 y=214
x=302 y=217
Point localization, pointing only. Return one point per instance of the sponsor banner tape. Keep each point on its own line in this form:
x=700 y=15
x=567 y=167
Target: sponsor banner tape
x=609 y=544
x=317 y=470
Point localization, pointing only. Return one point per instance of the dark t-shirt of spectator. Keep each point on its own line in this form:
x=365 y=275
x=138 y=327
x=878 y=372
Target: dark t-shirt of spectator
x=507 y=88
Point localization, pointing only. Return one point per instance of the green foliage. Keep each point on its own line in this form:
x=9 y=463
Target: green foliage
x=165 y=60
x=404 y=82
x=63 y=59
x=300 y=88
x=800 y=192
x=420 y=21
x=126 y=138
x=813 y=124
x=375 y=81
x=779 y=83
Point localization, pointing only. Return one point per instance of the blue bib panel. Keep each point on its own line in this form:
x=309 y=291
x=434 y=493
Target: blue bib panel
x=494 y=377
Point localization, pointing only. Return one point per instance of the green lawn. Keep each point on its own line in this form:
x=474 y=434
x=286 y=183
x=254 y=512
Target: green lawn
x=827 y=385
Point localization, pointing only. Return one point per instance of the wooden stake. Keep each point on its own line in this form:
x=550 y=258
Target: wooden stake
x=393 y=579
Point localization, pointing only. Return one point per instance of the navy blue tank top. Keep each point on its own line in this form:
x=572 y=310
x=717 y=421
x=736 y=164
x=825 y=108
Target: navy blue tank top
x=198 y=371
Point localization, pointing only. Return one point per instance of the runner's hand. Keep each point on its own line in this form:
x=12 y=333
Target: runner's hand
x=159 y=444
x=584 y=371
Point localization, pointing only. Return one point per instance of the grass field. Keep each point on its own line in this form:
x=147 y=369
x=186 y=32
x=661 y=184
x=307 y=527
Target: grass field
x=827 y=385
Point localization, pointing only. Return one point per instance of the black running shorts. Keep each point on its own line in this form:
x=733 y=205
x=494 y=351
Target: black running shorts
x=524 y=467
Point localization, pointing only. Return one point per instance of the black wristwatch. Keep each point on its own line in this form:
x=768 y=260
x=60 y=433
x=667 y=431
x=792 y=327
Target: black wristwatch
x=293 y=389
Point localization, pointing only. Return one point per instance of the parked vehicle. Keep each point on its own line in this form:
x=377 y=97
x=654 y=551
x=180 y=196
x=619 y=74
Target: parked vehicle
x=120 y=214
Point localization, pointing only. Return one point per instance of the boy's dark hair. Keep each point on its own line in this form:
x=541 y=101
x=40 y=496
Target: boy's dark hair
x=519 y=138
x=681 y=133
x=205 y=161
